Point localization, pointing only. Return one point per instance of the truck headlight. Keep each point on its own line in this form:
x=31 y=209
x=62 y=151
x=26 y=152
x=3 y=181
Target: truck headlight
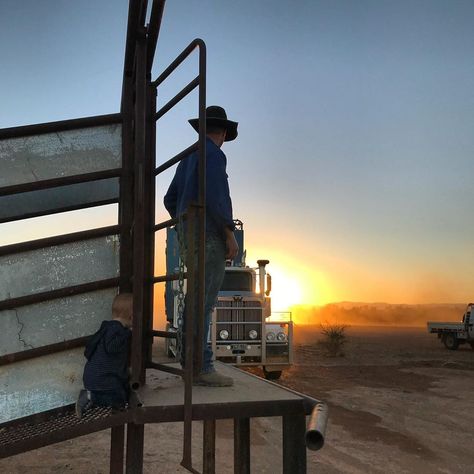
x=253 y=334
x=270 y=336
x=281 y=336
x=224 y=334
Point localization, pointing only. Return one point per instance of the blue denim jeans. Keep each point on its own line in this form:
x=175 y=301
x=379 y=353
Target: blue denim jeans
x=215 y=269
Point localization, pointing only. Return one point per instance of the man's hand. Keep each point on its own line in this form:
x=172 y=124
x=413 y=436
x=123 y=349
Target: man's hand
x=231 y=244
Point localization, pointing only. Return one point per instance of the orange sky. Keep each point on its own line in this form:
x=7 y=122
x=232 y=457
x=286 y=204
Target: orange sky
x=352 y=171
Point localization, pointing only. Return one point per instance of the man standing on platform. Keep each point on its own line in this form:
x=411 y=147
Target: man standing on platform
x=220 y=240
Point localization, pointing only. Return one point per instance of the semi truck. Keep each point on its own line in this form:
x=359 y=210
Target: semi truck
x=453 y=334
x=244 y=331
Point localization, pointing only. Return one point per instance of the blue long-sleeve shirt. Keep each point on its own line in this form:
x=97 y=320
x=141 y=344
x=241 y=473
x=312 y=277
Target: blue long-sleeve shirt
x=107 y=357
x=184 y=189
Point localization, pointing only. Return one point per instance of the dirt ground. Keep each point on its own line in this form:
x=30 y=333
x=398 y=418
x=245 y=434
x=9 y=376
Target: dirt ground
x=399 y=403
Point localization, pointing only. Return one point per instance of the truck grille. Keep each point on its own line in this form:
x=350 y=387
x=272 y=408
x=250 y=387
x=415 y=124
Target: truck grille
x=239 y=312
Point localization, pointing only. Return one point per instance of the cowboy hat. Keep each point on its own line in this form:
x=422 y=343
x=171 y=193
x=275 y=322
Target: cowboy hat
x=216 y=115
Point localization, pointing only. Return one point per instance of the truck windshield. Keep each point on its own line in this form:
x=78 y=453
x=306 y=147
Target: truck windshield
x=237 y=281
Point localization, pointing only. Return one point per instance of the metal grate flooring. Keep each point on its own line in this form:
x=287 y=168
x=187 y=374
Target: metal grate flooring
x=27 y=431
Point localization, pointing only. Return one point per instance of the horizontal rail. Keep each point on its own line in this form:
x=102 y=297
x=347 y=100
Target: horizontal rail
x=169 y=222
x=166 y=224
x=61 y=126
x=62 y=181
x=58 y=210
x=247 y=342
x=167 y=334
x=165 y=368
x=180 y=156
x=234 y=308
x=59 y=293
x=180 y=58
x=43 y=350
x=170 y=277
x=238 y=322
x=59 y=240
x=177 y=98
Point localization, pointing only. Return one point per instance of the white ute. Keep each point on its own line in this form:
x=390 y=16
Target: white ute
x=453 y=334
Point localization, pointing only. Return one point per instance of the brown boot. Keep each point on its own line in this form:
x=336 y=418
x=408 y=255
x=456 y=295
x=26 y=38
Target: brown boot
x=213 y=379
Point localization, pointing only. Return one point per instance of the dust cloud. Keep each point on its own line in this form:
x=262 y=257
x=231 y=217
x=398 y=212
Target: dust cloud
x=376 y=314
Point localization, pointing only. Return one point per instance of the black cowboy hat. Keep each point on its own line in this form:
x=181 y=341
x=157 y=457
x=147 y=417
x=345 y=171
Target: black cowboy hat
x=216 y=115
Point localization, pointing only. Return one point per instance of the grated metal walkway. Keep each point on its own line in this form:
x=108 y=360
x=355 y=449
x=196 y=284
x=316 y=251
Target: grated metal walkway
x=54 y=427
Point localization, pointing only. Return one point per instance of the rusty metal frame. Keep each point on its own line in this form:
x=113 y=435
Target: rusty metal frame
x=63 y=181
x=196 y=217
x=53 y=435
x=137 y=229
x=60 y=126
x=59 y=240
x=59 y=293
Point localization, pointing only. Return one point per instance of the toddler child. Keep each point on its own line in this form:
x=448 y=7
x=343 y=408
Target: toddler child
x=107 y=353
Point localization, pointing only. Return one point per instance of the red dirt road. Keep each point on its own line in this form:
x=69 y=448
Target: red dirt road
x=399 y=403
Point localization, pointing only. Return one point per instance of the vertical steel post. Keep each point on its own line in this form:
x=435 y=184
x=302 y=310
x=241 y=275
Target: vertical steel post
x=190 y=315
x=201 y=273
x=126 y=188
x=140 y=206
x=135 y=433
x=117 y=436
x=294 y=448
x=135 y=438
x=149 y=218
x=209 y=447
x=241 y=446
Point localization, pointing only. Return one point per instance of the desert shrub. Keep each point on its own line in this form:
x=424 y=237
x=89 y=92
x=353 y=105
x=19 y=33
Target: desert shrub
x=334 y=338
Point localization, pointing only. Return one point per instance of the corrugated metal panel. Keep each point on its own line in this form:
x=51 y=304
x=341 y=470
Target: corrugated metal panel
x=54 y=155
x=37 y=203
x=58 y=266
x=54 y=321
x=41 y=384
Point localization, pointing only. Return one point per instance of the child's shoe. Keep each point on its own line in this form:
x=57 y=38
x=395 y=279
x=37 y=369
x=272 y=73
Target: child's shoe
x=83 y=403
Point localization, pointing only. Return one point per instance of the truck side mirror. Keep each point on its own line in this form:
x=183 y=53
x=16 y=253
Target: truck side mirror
x=268 y=285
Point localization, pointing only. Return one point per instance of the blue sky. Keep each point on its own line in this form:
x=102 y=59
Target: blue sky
x=353 y=170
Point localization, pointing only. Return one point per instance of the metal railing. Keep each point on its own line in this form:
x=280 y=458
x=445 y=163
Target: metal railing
x=195 y=216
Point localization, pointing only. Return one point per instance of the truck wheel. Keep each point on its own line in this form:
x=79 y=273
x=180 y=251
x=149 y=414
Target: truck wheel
x=271 y=374
x=451 y=342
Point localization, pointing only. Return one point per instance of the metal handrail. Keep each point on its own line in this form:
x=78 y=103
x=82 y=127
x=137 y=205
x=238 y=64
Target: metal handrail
x=177 y=158
x=179 y=59
x=197 y=215
x=177 y=98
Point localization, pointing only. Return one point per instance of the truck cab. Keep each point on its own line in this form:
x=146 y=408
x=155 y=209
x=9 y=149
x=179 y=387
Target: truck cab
x=244 y=331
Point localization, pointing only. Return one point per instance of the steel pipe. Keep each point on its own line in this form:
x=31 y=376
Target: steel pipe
x=172 y=161
x=177 y=98
x=184 y=54
x=316 y=430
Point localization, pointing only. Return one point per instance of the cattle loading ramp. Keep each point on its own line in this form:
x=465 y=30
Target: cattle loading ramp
x=55 y=291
